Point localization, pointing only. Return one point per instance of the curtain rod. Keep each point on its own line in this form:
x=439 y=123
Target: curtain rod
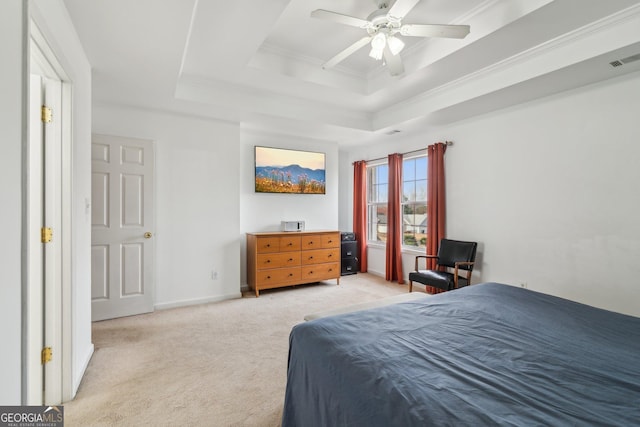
x=447 y=143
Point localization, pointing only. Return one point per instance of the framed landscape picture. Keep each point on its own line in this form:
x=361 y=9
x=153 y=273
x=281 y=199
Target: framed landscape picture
x=279 y=170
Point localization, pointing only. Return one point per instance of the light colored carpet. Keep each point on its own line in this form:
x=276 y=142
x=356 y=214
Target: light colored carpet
x=219 y=364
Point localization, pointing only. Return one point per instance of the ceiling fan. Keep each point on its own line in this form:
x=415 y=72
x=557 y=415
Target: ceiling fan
x=383 y=27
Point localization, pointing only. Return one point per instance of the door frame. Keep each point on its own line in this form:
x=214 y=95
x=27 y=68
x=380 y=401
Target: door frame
x=34 y=271
x=43 y=61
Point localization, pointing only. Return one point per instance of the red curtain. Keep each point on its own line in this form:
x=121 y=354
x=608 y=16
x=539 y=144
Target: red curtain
x=393 y=270
x=360 y=211
x=435 y=203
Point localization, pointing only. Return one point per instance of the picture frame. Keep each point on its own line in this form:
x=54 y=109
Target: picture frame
x=281 y=170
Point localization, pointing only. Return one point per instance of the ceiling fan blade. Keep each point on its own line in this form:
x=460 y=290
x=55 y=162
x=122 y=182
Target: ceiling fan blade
x=401 y=7
x=340 y=18
x=433 y=30
x=348 y=51
x=394 y=62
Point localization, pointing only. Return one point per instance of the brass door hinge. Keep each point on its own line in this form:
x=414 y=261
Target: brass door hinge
x=46 y=115
x=47 y=234
x=46 y=355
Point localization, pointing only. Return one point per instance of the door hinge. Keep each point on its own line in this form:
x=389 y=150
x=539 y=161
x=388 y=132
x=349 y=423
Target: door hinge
x=46 y=355
x=47 y=115
x=47 y=234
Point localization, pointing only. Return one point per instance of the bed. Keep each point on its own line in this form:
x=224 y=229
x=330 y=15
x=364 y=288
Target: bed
x=487 y=354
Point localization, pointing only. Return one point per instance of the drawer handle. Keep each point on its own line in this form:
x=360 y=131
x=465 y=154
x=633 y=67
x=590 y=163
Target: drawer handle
x=330 y=255
x=330 y=270
x=311 y=272
x=268 y=261
x=290 y=274
x=330 y=241
x=290 y=244
x=310 y=257
x=290 y=259
x=268 y=277
x=268 y=245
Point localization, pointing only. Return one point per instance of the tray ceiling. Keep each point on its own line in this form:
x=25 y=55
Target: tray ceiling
x=259 y=63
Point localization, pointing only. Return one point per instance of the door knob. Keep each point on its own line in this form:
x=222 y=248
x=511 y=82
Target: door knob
x=147 y=235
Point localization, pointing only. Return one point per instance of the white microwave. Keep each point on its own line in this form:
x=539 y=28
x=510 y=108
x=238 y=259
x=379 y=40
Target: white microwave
x=292 y=225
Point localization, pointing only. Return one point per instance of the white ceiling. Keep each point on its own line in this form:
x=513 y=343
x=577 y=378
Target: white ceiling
x=259 y=62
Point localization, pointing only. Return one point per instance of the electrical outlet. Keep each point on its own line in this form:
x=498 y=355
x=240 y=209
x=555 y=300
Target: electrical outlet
x=214 y=275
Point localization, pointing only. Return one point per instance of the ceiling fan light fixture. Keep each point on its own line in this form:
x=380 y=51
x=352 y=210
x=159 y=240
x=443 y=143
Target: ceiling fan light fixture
x=395 y=45
x=376 y=53
x=382 y=25
x=378 y=43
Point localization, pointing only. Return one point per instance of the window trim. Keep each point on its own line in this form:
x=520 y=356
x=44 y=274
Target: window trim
x=372 y=164
x=410 y=156
x=384 y=161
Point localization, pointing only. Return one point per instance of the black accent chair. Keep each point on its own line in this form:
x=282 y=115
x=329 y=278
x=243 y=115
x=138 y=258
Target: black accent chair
x=452 y=254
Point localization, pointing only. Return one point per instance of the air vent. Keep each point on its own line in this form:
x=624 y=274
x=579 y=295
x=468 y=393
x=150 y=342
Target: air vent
x=628 y=59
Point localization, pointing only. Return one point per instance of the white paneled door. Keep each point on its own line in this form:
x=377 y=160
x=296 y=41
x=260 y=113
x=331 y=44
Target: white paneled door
x=122 y=237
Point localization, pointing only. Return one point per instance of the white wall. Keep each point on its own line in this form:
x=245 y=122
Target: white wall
x=263 y=212
x=556 y=193
x=549 y=190
x=197 y=201
x=345 y=192
x=12 y=74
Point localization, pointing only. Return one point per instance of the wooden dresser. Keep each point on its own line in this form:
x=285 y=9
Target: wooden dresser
x=282 y=259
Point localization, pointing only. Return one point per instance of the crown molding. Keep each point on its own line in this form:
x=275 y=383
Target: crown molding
x=562 y=42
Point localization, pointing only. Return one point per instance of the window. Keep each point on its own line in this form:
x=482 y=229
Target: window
x=413 y=203
x=378 y=191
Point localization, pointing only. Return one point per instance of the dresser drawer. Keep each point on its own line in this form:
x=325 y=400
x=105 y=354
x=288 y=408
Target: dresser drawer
x=273 y=278
x=267 y=244
x=287 y=243
x=311 y=242
x=314 y=273
x=330 y=240
x=319 y=256
x=278 y=260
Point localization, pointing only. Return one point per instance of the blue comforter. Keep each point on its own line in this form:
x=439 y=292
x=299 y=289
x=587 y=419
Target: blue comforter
x=482 y=355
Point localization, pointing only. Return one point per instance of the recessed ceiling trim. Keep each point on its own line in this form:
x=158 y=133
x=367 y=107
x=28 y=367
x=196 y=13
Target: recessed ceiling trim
x=256 y=100
x=631 y=58
x=542 y=60
x=566 y=42
x=292 y=73
x=194 y=11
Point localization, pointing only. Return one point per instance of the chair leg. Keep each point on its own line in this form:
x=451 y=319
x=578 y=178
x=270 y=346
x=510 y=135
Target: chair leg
x=410 y=286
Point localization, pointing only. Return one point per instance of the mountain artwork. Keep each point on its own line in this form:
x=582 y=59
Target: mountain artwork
x=289 y=171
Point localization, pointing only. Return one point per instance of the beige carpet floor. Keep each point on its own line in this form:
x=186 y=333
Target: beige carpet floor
x=218 y=364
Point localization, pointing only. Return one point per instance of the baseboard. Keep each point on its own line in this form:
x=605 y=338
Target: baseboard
x=78 y=379
x=376 y=273
x=383 y=274
x=196 y=301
